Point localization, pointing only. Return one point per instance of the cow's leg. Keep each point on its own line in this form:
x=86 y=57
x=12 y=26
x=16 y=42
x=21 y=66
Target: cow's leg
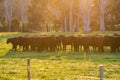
x=27 y=47
x=24 y=48
x=15 y=47
x=102 y=48
x=64 y=47
x=112 y=49
x=71 y=47
x=85 y=48
x=119 y=49
x=75 y=48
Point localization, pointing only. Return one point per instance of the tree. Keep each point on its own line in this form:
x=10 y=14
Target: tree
x=99 y=11
x=71 y=16
x=95 y=15
x=36 y=13
x=9 y=8
x=1 y=8
x=22 y=14
x=15 y=26
x=3 y=25
x=102 y=13
x=62 y=13
x=112 y=16
x=85 y=10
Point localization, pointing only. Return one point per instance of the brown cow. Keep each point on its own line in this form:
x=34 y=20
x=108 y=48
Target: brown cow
x=67 y=40
x=14 y=42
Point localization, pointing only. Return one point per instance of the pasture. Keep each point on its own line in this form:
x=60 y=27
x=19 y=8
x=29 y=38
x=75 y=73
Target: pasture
x=56 y=65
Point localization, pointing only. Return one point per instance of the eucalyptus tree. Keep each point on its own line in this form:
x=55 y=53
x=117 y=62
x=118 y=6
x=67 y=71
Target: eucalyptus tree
x=103 y=4
x=9 y=8
x=63 y=12
x=15 y=24
x=1 y=8
x=22 y=13
x=99 y=11
x=36 y=13
x=107 y=11
x=69 y=12
x=113 y=10
x=54 y=16
x=2 y=17
x=76 y=16
x=85 y=11
x=71 y=16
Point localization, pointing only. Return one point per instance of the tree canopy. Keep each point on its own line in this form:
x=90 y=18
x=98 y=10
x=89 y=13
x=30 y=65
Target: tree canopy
x=62 y=15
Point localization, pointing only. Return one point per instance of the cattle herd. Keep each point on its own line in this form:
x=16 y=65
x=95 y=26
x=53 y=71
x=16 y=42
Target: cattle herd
x=77 y=43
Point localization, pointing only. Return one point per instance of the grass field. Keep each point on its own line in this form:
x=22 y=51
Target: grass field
x=56 y=65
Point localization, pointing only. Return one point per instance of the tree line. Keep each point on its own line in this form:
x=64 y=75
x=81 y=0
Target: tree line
x=59 y=15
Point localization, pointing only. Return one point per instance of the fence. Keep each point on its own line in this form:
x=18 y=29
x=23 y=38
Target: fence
x=101 y=70
x=30 y=73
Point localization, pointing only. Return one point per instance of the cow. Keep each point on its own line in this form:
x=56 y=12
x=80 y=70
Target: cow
x=59 y=42
x=67 y=40
x=14 y=42
x=75 y=41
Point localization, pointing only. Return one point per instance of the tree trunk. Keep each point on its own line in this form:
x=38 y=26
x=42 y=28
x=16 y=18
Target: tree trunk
x=22 y=14
x=102 y=23
x=78 y=22
x=71 y=17
x=9 y=7
x=65 y=25
x=86 y=15
x=22 y=28
x=9 y=26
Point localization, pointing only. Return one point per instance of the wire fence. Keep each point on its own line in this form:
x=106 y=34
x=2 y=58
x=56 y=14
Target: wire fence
x=29 y=70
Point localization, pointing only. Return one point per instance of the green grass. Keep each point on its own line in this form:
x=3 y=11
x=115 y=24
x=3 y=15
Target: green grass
x=56 y=65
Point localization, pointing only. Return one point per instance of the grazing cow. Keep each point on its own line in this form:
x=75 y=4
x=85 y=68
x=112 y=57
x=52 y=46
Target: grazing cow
x=53 y=42
x=80 y=41
x=25 y=42
x=86 y=43
x=76 y=40
x=14 y=42
x=67 y=40
x=92 y=42
x=41 y=43
x=100 y=43
x=33 y=43
x=117 y=42
x=59 y=42
x=114 y=43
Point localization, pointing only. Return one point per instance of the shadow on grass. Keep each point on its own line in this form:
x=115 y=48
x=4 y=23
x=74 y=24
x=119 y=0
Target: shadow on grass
x=44 y=55
x=99 y=57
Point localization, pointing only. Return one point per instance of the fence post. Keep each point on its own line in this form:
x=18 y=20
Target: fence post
x=28 y=68
x=101 y=72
